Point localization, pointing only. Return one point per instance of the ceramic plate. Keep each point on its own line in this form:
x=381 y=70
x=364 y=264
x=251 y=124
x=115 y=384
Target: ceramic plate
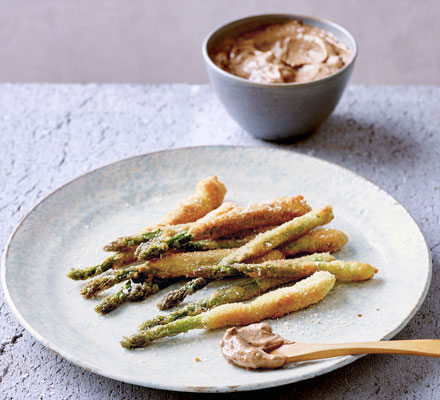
x=69 y=228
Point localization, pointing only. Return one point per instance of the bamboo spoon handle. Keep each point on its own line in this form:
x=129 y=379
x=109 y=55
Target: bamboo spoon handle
x=308 y=351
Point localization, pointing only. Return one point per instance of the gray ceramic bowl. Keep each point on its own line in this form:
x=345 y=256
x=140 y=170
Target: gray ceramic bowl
x=283 y=110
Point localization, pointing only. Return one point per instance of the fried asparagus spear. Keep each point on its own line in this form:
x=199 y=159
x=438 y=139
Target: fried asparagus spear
x=207 y=244
x=209 y=195
x=174 y=298
x=288 y=231
x=237 y=240
x=275 y=212
x=274 y=304
x=164 y=230
x=180 y=262
x=319 y=241
x=116 y=261
x=245 y=290
x=343 y=270
x=132 y=291
x=123 y=243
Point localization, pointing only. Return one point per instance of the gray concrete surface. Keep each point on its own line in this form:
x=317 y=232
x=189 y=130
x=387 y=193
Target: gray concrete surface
x=53 y=133
x=158 y=41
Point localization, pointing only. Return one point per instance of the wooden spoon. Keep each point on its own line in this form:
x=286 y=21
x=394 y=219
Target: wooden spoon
x=311 y=351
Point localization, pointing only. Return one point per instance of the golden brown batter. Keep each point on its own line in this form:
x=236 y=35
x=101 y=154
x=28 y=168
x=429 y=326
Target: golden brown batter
x=282 y=53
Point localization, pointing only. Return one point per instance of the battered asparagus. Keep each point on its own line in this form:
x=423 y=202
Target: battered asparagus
x=102 y=283
x=164 y=231
x=206 y=244
x=294 y=268
x=273 y=212
x=288 y=231
x=132 y=291
x=278 y=211
x=343 y=270
x=111 y=302
x=270 y=305
x=179 y=263
x=116 y=261
x=174 y=298
x=124 y=242
x=348 y=270
x=209 y=194
x=245 y=290
x=319 y=241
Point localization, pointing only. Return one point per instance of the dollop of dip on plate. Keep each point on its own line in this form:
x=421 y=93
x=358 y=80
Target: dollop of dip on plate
x=249 y=347
x=282 y=53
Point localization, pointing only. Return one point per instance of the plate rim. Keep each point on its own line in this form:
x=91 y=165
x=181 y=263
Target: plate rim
x=345 y=360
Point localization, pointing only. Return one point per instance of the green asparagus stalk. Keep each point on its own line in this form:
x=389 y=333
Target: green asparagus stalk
x=132 y=291
x=158 y=246
x=115 y=261
x=125 y=242
x=145 y=337
x=115 y=300
x=174 y=298
x=206 y=244
x=102 y=283
x=144 y=238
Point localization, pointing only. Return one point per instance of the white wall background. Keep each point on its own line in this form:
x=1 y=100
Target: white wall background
x=160 y=40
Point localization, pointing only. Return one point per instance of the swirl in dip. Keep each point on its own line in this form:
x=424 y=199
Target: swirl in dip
x=282 y=53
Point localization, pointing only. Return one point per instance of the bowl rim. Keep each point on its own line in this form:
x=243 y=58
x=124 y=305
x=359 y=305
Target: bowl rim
x=212 y=64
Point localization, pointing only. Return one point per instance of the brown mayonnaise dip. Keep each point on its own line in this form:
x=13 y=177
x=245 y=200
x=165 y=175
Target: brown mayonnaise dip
x=248 y=347
x=282 y=53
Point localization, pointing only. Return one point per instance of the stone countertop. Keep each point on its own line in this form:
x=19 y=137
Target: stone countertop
x=50 y=134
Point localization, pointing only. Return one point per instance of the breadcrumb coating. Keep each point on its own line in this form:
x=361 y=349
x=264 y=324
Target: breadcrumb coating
x=319 y=241
x=290 y=230
x=274 y=212
x=186 y=264
x=209 y=195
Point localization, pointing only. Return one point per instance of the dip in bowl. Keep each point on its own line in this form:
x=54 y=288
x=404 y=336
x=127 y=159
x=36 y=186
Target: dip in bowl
x=279 y=76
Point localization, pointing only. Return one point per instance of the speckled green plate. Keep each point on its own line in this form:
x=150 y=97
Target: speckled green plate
x=70 y=226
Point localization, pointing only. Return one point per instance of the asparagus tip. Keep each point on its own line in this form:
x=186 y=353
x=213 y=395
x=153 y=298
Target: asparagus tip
x=76 y=274
x=133 y=342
